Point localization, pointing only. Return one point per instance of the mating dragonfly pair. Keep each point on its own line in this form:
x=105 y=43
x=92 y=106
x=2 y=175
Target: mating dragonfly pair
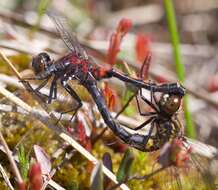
x=78 y=65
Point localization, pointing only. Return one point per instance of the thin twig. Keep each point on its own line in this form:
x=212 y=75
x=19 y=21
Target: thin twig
x=11 y=65
x=11 y=160
x=5 y=177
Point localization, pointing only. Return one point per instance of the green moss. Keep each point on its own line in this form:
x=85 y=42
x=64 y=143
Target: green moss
x=2 y=185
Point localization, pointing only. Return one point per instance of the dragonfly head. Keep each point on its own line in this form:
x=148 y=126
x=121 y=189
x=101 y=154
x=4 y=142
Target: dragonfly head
x=169 y=103
x=40 y=62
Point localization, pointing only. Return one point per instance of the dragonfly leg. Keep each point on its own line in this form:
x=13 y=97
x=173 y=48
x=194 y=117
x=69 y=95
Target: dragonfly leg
x=150 y=131
x=53 y=90
x=148 y=102
x=153 y=97
x=137 y=101
x=74 y=96
x=125 y=106
x=37 y=90
x=143 y=142
x=42 y=85
x=142 y=125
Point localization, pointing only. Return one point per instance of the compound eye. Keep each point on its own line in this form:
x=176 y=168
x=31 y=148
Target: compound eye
x=45 y=58
x=170 y=103
x=40 y=62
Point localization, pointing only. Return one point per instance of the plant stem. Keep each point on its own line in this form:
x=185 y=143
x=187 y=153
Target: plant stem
x=180 y=70
x=11 y=160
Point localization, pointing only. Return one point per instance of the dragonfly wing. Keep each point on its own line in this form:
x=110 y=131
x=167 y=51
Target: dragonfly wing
x=67 y=35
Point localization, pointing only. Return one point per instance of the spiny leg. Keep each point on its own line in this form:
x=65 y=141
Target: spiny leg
x=53 y=90
x=74 y=96
x=42 y=84
x=141 y=141
x=142 y=76
x=37 y=90
x=147 y=101
x=126 y=105
x=150 y=131
x=155 y=99
x=143 y=124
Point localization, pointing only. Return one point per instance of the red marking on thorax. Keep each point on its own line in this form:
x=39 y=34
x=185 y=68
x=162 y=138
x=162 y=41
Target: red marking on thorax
x=98 y=72
x=75 y=60
x=85 y=67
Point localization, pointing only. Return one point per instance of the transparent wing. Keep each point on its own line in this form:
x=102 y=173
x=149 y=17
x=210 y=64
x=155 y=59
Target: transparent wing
x=67 y=36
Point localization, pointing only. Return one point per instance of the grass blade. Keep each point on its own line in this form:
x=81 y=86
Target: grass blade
x=180 y=69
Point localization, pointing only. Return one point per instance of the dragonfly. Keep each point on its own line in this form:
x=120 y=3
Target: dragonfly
x=78 y=65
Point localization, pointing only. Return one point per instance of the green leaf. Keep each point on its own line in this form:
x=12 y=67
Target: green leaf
x=23 y=162
x=125 y=166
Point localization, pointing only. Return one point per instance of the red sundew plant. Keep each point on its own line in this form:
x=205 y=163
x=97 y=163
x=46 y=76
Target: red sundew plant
x=114 y=48
x=186 y=167
x=180 y=155
x=22 y=186
x=142 y=47
x=116 y=38
x=35 y=176
x=82 y=138
x=124 y=26
x=175 y=154
x=109 y=95
x=161 y=79
x=213 y=84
